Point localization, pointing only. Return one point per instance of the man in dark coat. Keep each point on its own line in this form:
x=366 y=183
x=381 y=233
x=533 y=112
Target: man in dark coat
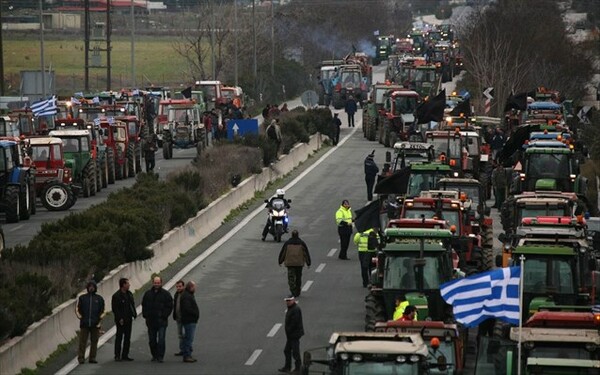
x=294 y=329
x=90 y=311
x=351 y=108
x=189 y=318
x=336 y=124
x=371 y=171
x=294 y=255
x=150 y=147
x=123 y=308
x=179 y=288
x=157 y=305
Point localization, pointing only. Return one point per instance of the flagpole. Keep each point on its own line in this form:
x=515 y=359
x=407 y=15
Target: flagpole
x=519 y=344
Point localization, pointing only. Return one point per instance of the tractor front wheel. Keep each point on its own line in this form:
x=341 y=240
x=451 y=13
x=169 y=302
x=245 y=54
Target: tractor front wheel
x=57 y=197
x=12 y=204
x=375 y=312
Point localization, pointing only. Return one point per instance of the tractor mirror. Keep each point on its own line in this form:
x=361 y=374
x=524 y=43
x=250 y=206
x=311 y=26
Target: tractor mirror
x=388 y=157
x=502 y=237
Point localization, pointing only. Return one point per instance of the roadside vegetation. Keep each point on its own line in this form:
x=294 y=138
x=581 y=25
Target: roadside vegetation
x=58 y=261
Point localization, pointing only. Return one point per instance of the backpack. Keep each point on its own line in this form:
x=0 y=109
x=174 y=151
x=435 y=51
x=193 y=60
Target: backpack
x=271 y=132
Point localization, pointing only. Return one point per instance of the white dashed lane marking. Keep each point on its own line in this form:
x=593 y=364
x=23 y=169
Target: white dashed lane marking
x=253 y=357
x=274 y=330
x=331 y=252
x=307 y=286
x=320 y=268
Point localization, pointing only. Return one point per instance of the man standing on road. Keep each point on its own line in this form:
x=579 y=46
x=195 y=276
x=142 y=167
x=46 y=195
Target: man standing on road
x=294 y=329
x=123 y=308
x=294 y=254
x=351 y=108
x=499 y=182
x=150 y=147
x=189 y=318
x=157 y=305
x=371 y=171
x=90 y=311
x=367 y=242
x=336 y=124
x=179 y=287
x=343 y=219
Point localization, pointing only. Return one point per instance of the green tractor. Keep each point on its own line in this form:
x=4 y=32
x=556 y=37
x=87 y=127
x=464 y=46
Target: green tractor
x=78 y=156
x=412 y=264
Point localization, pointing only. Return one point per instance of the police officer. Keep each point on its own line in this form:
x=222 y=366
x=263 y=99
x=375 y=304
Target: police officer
x=367 y=242
x=343 y=219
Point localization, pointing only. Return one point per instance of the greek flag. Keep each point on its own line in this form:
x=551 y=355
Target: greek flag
x=492 y=294
x=96 y=100
x=75 y=101
x=44 y=107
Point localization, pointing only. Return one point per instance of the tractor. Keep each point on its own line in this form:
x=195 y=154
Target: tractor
x=53 y=180
x=397 y=119
x=370 y=353
x=461 y=149
x=348 y=81
x=184 y=128
x=371 y=118
x=383 y=48
x=134 y=146
x=412 y=264
x=17 y=182
x=78 y=157
x=472 y=243
x=426 y=81
x=120 y=154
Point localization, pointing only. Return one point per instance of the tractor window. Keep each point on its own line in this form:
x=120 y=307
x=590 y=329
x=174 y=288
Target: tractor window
x=119 y=133
x=70 y=144
x=401 y=272
x=472 y=145
x=418 y=183
x=452 y=217
x=472 y=192
x=326 y=74
x=382 y=368
x=85 y=144
x=182 y=115
x=560 y=350
x=132 y=127
x=548 y=274
x=554 y=166
x=404 y=104
x=40 y=153
x=379 y=95
x=3 y=161
x=542 y=211
x=350 y=78
x=449 y=146
x=24 y=125
x=56 y=152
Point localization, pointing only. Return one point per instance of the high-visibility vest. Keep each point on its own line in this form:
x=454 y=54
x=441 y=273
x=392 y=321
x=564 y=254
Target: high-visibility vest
x=362 y=240
x=400 y=310
x=343 y=214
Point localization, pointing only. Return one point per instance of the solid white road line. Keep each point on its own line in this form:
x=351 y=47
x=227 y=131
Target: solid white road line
x=16 y=228
x=307 y=286
x=253 y=357
x=320 y=268
x=274 y=330
x=331 y=252
x=194 y=263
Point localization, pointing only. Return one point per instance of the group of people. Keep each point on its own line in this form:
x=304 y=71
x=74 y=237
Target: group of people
x=272 y=111
x=157 y=307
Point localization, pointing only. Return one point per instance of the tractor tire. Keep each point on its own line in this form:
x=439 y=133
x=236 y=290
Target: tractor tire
x=166 y=154
x=131 y=165
x=86 y=181
x=170 y=151
x=393 y=139
x=25 y=203
x=57 y=196
x=110 y=161
x=94 y=179
x=12 y=204
x=99 y=173
x=33 y=198
x=375 y=312
x=487 y=249
x=2 y=242
x=104 y=174
x=501 y=332
x=119 y=170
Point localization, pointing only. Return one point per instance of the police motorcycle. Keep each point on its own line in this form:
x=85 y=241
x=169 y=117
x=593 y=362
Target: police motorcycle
x=278 y=216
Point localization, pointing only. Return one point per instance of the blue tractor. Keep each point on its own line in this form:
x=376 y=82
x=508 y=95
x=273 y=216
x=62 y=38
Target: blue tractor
x=17 y=182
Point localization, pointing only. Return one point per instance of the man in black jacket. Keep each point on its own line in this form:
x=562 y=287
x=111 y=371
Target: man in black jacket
x=90 y=311
x=294 y=329
x=371 y=171
x=157 y=305
x=179 y=288
x=123 y=308
x=189 y=319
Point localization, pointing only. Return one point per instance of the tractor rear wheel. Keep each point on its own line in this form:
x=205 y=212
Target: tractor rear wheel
x=86 y=181
x=131 y=165
x=487 y=248
x=11 y=204
x=99 y=173
x=138 y=157
x=166 y=153
x=110 y=160
x=33 y=197
x=104 y=174
x=94 y=179
x=375 y=312
x=57 y=197
x=119 y=170
x=2 y=242
x=25 y=203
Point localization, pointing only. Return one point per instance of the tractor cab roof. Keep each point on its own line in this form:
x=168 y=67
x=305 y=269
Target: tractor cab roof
x=417 y=147
x=403 y=93
x=459 y=181
x=427 y=329
x=69 y=133
x=544 y=106
x=548 y=150
x=416 y=167
x=43 y=141
x=432 y=203
x=418 y=223
x=550 y=143
x=378 y=343
x=546 y=194
x=7 y=144
x=564 y=319
x=418 y=233
x=547 y=250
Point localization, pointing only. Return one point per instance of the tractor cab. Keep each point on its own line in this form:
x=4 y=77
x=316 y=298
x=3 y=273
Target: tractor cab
x=407 y=153
x=550 y=168
x=9 y=127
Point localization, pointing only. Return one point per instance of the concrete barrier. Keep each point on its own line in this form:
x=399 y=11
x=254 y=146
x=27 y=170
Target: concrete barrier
x=42 y=338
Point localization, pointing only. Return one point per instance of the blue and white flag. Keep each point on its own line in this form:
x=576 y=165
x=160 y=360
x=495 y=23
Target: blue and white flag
x=44 y=107
x=96 y=100
x=492 y=294
x=75 y=101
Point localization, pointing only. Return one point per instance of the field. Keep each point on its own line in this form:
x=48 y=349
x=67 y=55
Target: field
x=155 y=61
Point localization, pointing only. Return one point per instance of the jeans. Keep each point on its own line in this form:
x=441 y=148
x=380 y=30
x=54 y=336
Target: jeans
x=123 y=336
x=189 y=330
x=292 y=348
x=180 y=335
x=156 y=340
x=351 y=120
x=93 y=333
x=150 y=163
x=295 y=280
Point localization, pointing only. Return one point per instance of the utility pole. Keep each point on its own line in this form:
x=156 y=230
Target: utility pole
x=254 y=39
x=272 y=39
x=86 y=44
x=42 y=50
x=108 y=33
x=212 y=40
x=132 y=46
x=235 y=30
x=1 y=58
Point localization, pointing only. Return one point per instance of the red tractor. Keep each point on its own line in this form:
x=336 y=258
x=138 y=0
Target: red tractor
x=398 y=117
x=53 y=181
x=120 y=154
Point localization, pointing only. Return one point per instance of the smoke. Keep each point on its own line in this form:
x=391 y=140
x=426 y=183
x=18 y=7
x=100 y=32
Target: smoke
x=367 y=47
x=324 y=39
